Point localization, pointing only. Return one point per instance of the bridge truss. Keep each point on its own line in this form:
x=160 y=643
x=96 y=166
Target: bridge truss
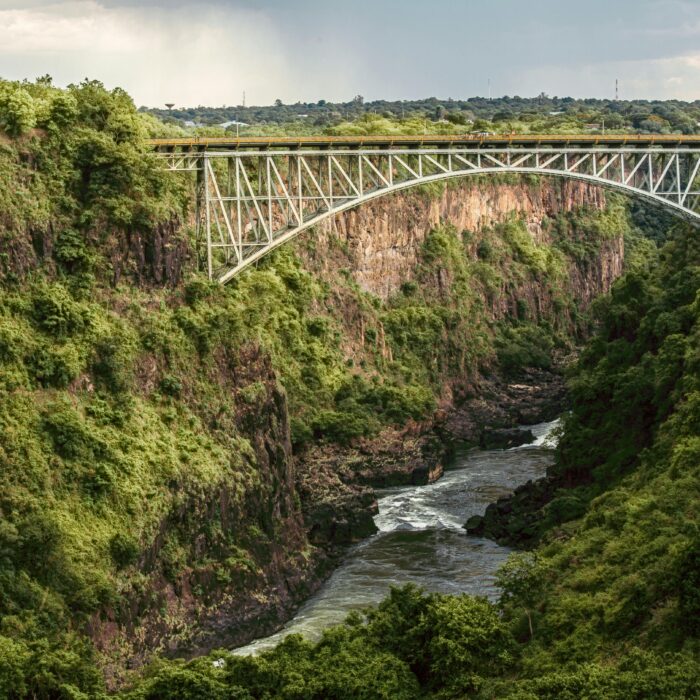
x=251 y=201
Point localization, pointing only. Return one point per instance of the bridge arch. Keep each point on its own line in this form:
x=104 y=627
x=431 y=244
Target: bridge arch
x=251 y=202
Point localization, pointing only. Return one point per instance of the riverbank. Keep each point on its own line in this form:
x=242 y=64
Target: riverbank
x=335 y=483
x=338 y=486
x=420 y=539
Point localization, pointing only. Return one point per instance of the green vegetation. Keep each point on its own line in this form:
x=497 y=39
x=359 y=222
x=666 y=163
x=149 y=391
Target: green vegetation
x=608 y=606
x=543 y=115
x=136 y=400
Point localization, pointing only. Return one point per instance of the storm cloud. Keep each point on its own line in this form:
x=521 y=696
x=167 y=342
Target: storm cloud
x=210 y=52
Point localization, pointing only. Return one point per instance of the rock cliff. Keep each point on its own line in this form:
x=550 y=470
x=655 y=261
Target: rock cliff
x=231 y=560
x=383 y=238
x=379 y=246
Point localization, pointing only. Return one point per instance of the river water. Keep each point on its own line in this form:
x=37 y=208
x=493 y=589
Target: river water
x=421 y=539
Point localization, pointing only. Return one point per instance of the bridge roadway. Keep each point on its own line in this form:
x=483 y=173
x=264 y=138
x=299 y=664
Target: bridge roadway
x=207 y=143
x=255 y=193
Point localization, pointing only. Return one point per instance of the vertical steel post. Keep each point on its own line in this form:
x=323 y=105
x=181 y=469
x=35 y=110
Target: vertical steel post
x=198 y=210
x=300 y=193
x=268 y=175
x=207 y=208
x=239 y=222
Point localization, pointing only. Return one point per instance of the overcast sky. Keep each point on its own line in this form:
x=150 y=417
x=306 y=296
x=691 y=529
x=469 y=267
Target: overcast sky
x=209 y=52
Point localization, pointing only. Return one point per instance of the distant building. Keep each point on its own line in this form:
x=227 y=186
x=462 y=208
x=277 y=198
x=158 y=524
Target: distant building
x=233 y=122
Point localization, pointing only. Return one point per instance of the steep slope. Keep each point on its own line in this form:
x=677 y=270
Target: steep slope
x=151 y=500
x=608 y=605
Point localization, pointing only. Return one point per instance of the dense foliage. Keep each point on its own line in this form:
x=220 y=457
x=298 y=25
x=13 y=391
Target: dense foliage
x=130 y=392
x=542 y=114
x=607 y=607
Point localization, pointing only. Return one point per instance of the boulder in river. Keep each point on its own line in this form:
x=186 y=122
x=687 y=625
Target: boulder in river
x=505 y=438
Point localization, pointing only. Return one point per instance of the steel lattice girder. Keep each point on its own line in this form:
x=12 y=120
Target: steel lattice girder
x=250 y=202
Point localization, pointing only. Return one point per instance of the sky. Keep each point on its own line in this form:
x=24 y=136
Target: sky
x=209 y=52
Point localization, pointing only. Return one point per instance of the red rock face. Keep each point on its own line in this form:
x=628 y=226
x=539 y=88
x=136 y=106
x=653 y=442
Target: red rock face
x=383 y=238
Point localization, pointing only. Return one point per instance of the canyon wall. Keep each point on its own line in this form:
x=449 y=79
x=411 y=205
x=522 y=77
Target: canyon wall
x=241 y=545
x=383 y=238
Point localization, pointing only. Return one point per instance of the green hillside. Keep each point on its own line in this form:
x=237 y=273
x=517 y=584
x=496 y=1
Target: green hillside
x=150 y=422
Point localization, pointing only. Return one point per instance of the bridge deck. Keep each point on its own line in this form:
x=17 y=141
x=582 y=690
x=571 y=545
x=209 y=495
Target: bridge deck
x=205 y=143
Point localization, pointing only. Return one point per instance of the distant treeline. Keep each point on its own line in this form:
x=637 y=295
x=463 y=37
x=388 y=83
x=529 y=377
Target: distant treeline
x=642 y=116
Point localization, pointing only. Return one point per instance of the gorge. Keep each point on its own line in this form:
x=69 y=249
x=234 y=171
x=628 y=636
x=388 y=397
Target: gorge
x=185 y=463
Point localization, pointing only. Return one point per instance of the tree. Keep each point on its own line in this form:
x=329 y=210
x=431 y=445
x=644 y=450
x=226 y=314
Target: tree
x=17 y=109
x=522 y=580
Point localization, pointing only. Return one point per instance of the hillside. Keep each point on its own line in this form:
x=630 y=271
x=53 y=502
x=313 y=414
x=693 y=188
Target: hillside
x=607 y=605
x=169 y=448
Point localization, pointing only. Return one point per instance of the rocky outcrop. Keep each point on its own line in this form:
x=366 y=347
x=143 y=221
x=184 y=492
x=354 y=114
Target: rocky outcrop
x=411 y=455
x=498 y=404
x=157 y=256
x=534 y=511
x=230 y=562
x=336 y=513
x=382 y=239
x=505 y=438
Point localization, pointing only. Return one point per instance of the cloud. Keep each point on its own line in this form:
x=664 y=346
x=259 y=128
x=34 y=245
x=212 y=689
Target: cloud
x=676 y=77
x=187 y=54
x=208 y=52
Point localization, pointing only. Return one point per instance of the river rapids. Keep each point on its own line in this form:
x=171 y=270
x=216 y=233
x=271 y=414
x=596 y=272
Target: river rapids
x=421 y=539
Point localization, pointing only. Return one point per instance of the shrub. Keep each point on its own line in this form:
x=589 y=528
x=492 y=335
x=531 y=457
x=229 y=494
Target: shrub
x=14 y=660
x=68 y=431
x=485 y=250
x=124 y=549
x=688 y=582
x=112 y=361
x=170 y=386
x=523 y=346
x=56 y=312
x=565 y=508
x=72 y=252
x=56 y=366
x=188 y=684
x=342 y=426
x=301 y=431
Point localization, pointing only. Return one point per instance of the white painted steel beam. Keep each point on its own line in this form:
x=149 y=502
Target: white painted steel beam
x=275 y=195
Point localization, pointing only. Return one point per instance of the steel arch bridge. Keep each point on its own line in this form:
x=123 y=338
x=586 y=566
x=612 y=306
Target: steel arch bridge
x=253 y=195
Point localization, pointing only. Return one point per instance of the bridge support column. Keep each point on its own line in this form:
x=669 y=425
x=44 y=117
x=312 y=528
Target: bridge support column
x=202 y=249
x=207 y=214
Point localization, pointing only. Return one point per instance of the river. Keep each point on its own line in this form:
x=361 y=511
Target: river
x=421 y=539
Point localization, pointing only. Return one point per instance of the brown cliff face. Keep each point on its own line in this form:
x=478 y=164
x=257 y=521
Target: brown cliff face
x=157 y=256
x=383 y=238
x=229 y=561
x=379 y=246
